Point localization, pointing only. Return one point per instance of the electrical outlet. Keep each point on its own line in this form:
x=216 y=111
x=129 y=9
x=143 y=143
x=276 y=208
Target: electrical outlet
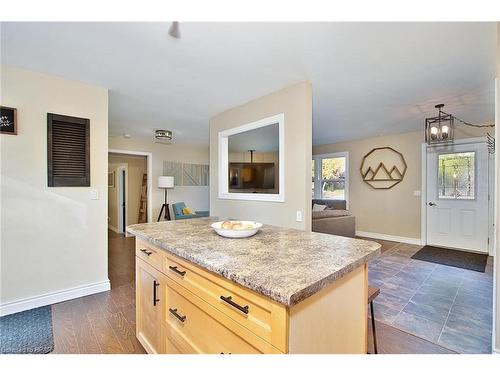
x=299 y=216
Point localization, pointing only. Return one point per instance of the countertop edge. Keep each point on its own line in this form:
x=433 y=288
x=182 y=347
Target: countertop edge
x=321 y=284
x=295 y=298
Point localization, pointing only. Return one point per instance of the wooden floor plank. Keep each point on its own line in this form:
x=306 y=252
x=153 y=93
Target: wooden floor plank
x=105 y=334
x=117 y=321
x=85 y=335
x=125 y=333
x=65 y=341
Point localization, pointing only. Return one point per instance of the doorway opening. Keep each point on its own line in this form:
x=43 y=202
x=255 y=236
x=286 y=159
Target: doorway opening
x=129 y=202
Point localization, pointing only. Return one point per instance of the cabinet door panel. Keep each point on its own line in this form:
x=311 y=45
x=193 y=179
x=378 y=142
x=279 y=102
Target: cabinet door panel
x=150 y=289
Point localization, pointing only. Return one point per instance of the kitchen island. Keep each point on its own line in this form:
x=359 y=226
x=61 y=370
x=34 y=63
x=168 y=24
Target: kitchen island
x=280 y=291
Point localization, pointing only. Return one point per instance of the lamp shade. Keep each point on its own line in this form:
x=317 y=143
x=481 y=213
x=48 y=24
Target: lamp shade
x=166 y=182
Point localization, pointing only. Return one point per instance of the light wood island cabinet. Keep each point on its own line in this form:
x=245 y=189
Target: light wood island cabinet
x=184 y=308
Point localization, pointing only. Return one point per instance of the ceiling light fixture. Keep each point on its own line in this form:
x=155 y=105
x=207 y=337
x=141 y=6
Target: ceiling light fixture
x=174 y=31
x=441 y=129
x=163 y=136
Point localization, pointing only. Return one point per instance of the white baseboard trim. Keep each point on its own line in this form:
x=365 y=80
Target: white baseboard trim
x=54 y=297
x=388 y=237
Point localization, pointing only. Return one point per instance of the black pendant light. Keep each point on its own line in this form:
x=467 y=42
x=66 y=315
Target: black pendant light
x=439 y=129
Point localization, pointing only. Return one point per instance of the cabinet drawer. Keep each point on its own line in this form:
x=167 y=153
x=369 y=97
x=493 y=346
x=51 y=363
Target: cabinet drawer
x=148 y=253
x=171 y=348
x=194 y=326
x=260 y=315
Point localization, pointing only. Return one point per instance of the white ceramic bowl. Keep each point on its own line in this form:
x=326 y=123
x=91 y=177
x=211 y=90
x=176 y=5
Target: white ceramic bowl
x=248 y=230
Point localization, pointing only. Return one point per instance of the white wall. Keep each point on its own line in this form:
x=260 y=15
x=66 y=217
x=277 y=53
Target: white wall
x=52 y=238
x=394 y=211
x=296 y=103
x=195 y=197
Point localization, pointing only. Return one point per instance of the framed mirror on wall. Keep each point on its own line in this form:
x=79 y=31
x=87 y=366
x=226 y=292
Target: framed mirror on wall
x=252 y=161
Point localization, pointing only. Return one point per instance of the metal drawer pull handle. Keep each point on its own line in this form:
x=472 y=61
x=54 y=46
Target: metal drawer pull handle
x=176 y=270
x=243 y=309
x=174 y=313
x=155 y=285
x=145 y=251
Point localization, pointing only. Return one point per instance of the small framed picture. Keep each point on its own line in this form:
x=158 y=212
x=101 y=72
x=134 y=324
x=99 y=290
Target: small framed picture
x=111 y=179
x=8 y=120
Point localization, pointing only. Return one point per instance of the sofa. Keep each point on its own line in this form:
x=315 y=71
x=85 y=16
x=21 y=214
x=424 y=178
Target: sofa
x=179 y=215
x=334 y=219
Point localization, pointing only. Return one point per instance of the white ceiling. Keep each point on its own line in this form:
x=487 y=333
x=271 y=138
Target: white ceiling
x=368 y=78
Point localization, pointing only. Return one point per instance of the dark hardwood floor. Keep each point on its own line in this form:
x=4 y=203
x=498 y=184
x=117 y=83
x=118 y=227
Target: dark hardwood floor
x=121 y=259
x=105 y=322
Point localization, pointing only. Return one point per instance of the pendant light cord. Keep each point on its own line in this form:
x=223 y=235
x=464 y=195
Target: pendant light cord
x=468 y=123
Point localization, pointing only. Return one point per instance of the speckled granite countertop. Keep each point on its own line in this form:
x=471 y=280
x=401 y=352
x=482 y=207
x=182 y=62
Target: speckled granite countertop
x=287 y=265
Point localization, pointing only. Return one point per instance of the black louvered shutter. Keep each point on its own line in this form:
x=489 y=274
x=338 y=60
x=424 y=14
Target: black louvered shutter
x=68 y=150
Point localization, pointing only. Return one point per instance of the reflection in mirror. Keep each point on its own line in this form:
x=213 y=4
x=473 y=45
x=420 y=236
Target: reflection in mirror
x=253 y=161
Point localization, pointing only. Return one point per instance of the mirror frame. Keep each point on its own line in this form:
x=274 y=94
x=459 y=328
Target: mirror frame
x=224 y=156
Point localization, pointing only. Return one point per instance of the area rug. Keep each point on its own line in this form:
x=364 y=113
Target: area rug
x=27 y=332
x=453 y=258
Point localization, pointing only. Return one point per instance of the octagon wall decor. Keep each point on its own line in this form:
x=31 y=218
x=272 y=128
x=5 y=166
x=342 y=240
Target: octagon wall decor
x=383 y=168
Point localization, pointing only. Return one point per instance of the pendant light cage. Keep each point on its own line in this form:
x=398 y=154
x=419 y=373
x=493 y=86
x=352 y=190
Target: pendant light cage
x=439 y=129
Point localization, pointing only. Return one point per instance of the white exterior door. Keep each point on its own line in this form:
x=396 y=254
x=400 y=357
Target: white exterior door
x=457 y=196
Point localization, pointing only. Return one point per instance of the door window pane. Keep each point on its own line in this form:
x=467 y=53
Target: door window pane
x=456 y=175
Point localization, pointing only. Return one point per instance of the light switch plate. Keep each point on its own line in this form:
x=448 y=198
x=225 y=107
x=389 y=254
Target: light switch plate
x=299 y=216
x=94 y=194
x=416 y=193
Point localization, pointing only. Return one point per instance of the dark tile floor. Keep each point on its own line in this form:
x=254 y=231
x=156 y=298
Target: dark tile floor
x=448 y=306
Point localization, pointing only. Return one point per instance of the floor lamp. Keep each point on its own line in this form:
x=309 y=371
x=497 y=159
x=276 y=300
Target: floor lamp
x=165 y=182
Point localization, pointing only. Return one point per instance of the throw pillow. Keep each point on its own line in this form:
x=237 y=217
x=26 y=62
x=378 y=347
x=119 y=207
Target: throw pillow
x=330 y=213
x=187 y=211
x=319 y=207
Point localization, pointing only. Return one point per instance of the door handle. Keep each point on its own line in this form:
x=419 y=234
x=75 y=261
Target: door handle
x=177 y=271
x=176 y=314
x=229 y=300
x=155 y=285
x=432 y=204
x=145 y=251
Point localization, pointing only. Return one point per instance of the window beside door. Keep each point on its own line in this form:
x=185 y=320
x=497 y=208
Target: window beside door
x=330 y=176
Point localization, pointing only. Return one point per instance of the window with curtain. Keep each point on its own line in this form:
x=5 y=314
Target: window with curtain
x=330 y=176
